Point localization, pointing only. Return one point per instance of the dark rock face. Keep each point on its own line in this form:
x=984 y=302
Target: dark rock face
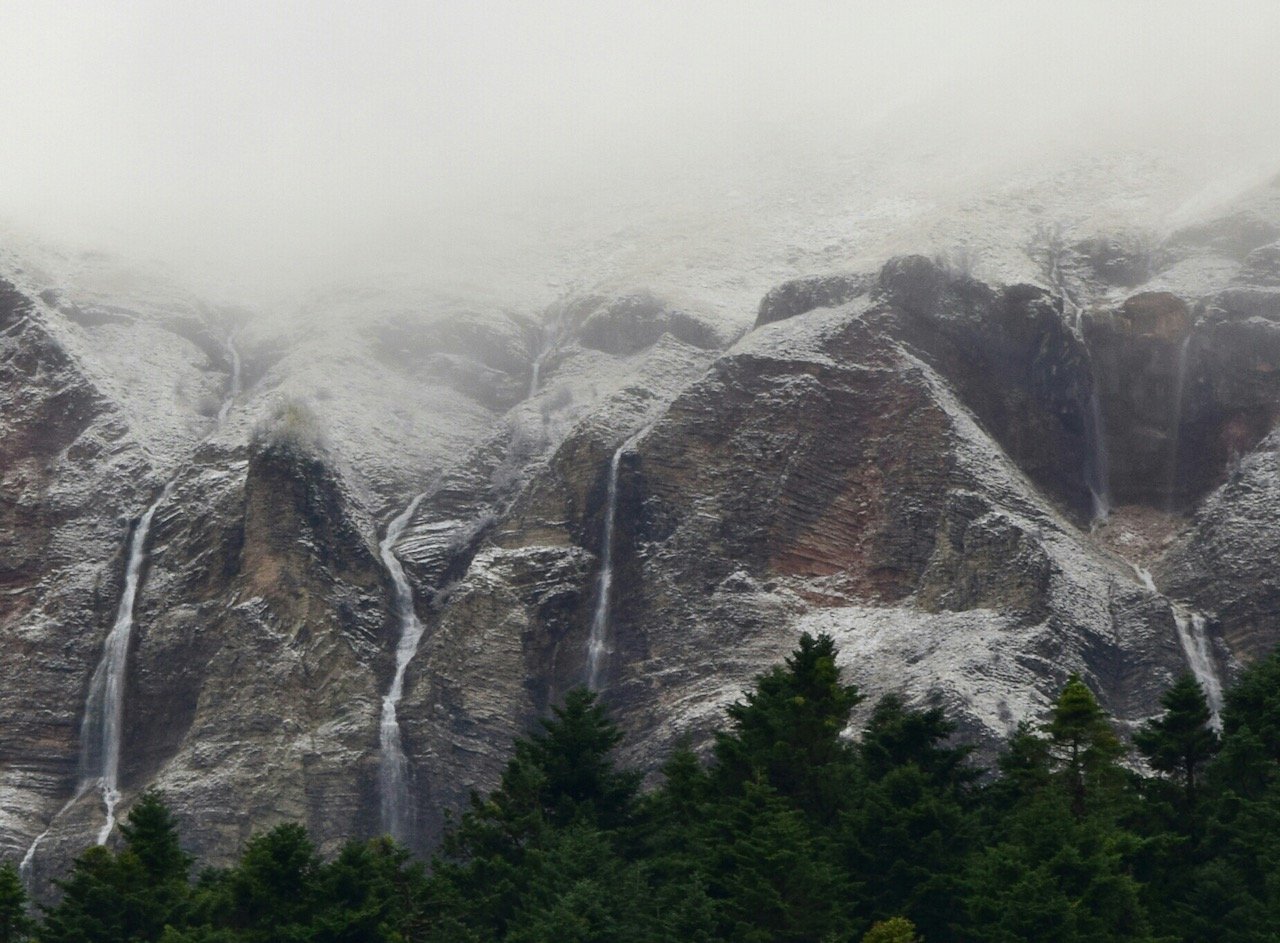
x=805 y=294
x=481 y=357
x=1014 y=362
x=1262 y=267
x=1226 y=562
x=1144 y=365
x=630 y=323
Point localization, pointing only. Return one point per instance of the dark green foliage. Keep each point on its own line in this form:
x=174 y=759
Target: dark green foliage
x=14 y=922
x=771 y=876
x=1082 y=743
x=98 y=902
x=151 y=834
x=787 y=731
x=790 y=832
x=562 y=776
x=132 y=895
x=1180 y=742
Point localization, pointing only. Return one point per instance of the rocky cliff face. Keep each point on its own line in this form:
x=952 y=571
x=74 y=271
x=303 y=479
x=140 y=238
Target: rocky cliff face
x=977 y=488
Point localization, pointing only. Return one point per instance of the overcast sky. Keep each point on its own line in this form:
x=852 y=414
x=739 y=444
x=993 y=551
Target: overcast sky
x=290 y=132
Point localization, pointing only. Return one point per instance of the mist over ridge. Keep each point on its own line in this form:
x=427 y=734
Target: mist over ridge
x=264 y=153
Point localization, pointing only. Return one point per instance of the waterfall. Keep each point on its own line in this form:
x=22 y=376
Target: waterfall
x=1098 y=471
x=533 y=377
x=1194 y=639
x=24 y=869
x=598 y=641
x=548 y=338
x=101 y=730
x=233 y=388
x=1175 y=423
x=393 y=771
x=1145 y=578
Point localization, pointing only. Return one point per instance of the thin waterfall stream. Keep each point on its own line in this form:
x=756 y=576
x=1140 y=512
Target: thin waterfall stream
x=1175 y=421
x=234 y=389
x=1193 y=636
x=1098 y=469
x=598 y=642
x=1098 y=473
x=393 y=770
x=102 y=727
x=103 y=724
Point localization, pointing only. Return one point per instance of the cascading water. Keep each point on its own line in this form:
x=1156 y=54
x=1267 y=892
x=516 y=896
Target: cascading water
x=393 y=771
x=1145 y=578
x=100 y=732
x=1175 y=422
x=233 y=389
x=550 y=335
x=598 y=641
x=101 y=728
x=1194 y=638
x=533 y=377
x=1098 y=471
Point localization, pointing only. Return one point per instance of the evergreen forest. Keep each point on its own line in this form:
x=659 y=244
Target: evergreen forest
x=786 y=831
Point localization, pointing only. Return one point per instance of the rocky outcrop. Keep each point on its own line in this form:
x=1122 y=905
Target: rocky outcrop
x=72 y=477
x=816 y=291
x=1013 y=360
x=627 y=324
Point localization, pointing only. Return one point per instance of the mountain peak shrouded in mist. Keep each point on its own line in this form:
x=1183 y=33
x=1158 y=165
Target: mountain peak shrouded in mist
x=275 y=147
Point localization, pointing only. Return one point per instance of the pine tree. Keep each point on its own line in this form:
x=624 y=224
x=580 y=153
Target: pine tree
x=15 y=925
x=1082 y=741
x=1180 y=741
x=573 y=753
x=772 y=876
x=787 y=731
x=560 y=776
x=99 y=902
x=270 y=896
x=368 y=894
x=897 y=736
x=151 y=834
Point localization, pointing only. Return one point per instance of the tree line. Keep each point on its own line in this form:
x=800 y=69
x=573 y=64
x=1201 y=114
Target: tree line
x=787 y=832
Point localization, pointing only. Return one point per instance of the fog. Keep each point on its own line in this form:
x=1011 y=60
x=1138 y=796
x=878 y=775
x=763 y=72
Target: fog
x=275 y=146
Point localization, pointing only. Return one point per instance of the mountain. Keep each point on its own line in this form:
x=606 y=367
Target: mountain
x=1048 y=451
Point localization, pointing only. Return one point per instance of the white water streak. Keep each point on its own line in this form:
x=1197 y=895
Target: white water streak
x=1100 y=471
x=234 y=388
x=1197 y=648
x=28 y=860
x=102 y=728
x=1145 y=578
x=598 y=643
x=1194 y=637
x=393 y=772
